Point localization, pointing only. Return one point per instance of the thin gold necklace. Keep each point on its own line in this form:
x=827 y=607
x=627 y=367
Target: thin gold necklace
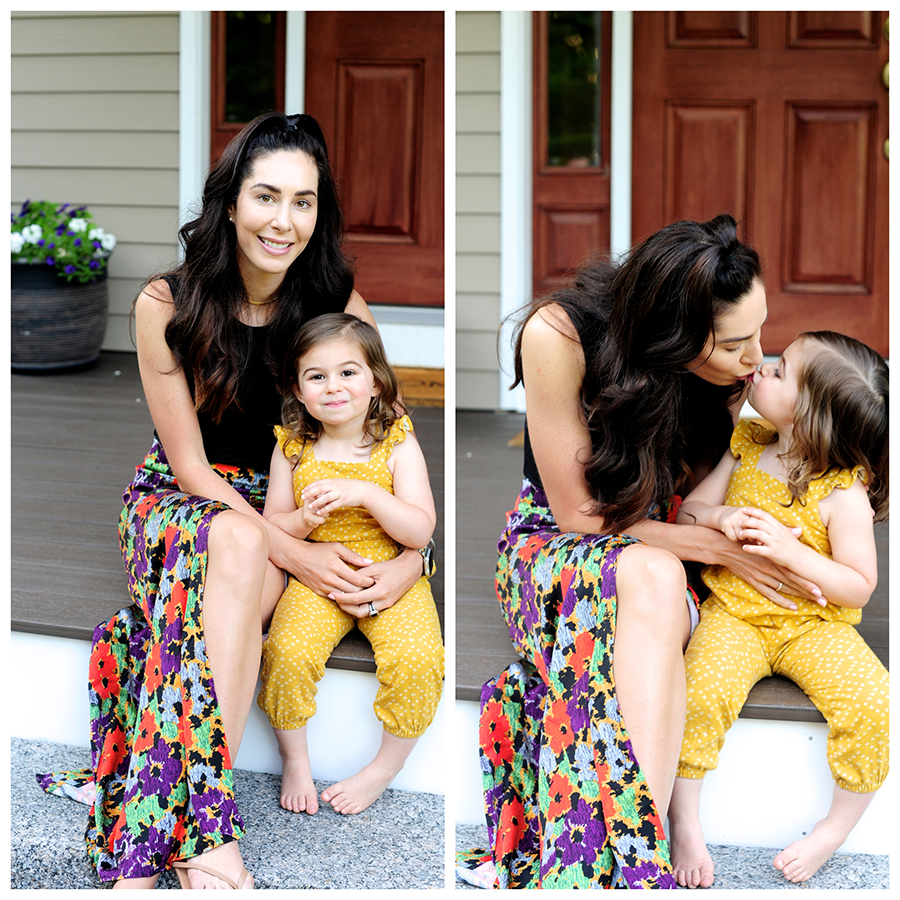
x=262 y=302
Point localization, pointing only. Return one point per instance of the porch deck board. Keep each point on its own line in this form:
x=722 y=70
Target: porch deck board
x=488 y=480
x=76 y=439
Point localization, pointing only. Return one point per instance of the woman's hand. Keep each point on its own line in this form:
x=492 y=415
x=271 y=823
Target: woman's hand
x=766 y=576
x=391 y=580
x=326 y=568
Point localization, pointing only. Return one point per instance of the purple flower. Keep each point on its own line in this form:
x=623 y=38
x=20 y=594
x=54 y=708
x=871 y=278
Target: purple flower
x=51 y=261
x=93 y=264
x=77 y=242
x=97 y=245
x=41 y=242
x=70 y=269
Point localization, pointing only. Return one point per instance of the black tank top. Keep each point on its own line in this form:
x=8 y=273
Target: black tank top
x=244 y=435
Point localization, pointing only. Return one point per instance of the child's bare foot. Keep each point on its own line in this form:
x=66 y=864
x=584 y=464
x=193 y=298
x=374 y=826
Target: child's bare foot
x=802 y=859
x=691 y=863
x=298 y=792
x=353 y=795
x=360 y=791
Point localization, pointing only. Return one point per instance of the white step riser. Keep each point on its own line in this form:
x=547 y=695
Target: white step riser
x=772 y=785
x=343 y=735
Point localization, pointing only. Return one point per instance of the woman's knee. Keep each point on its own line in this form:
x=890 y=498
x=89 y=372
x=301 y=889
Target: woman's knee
x=238 y=541
x=643 y=567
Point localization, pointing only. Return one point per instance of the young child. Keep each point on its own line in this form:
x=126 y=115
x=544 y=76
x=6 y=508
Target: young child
x=803 y=496
x=348 y=469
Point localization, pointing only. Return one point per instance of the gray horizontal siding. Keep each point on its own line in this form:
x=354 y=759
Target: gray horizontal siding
x=477 y=208
x=94 y=113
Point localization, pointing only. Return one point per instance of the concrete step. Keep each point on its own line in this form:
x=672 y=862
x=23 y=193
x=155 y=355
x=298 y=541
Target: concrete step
x=343 y=735
x=397 y=843
x=751 y=867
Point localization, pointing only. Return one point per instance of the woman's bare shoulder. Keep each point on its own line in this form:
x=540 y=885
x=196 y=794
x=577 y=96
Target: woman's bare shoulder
x=550 y=336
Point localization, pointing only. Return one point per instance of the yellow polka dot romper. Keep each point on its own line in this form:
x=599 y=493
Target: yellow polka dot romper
x=743 y=637
x=305 y=629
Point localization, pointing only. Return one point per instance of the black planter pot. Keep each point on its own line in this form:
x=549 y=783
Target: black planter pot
x=56 y=324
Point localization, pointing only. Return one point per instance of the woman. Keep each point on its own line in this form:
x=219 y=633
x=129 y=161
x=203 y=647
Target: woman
x=633 y=376
x=172 y=677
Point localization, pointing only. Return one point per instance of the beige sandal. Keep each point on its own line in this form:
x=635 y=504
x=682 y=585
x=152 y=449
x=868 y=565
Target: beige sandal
x=182 y=865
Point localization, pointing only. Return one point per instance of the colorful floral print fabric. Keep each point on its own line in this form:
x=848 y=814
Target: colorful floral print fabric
x=161 y=768
x=566 y=802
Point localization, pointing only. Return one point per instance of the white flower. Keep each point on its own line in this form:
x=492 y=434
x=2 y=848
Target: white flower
x=32 y=233
x=108 y=242
x=16 y=242
x=95 y=234
x=77 y=224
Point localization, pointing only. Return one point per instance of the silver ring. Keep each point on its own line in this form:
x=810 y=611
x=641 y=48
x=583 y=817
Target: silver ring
x=780 y=586
x=372 y=611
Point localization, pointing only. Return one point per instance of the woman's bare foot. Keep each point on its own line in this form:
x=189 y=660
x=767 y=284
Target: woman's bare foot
x=692 y=865
x=226 y=858
x=354 y=794
x=298 y=792
x=802 y=859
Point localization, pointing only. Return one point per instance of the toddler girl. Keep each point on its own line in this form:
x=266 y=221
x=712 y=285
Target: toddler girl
x=803 y=495
x=348 y=469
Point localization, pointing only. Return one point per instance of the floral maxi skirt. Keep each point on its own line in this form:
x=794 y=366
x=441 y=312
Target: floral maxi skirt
x=161 y=779
x=566 y=802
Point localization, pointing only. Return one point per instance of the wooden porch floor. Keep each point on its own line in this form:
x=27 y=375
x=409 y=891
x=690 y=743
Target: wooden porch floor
x=488 y=481
x=76 y=439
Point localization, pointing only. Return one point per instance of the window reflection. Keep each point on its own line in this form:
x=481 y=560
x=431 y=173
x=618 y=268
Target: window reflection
x=573 y=89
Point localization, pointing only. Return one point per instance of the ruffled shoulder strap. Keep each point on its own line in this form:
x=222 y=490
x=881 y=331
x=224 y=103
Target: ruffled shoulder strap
x=749 y=440
x=397 y=435
x=837 y=478
x=290 y=448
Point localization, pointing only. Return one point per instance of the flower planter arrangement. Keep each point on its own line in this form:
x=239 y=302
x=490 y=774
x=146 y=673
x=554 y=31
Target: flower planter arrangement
x=59 y=288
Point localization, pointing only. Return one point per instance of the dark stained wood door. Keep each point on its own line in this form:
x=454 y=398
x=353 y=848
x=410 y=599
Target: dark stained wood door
x=570 y=192
x=375 y=82
x=781 y=119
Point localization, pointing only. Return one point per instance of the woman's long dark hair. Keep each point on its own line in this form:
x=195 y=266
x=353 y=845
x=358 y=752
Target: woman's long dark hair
x=643 y=324
x=204 y=334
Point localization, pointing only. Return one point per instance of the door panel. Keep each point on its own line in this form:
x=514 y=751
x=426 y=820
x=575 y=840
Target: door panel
x=374 y=81
x=780 y=119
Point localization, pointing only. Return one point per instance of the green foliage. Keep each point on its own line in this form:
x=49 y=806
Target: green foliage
x=64 y=237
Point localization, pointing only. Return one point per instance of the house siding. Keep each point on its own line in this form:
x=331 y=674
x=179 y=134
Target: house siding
x=477 y=208
x=94 y=113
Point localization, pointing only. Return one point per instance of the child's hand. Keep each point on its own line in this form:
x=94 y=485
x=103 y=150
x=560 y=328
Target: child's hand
x=325 y=496
x=309 y=518
x=768 y=537
x=730 y=519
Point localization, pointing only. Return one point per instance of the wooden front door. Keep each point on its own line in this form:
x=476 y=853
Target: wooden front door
x=779 y=118
x=375 y=82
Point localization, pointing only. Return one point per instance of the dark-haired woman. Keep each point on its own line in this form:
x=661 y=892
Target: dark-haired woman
x=172 y=677
x=632 y=377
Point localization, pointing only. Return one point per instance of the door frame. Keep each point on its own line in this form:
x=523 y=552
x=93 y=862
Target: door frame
x=515 y=170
